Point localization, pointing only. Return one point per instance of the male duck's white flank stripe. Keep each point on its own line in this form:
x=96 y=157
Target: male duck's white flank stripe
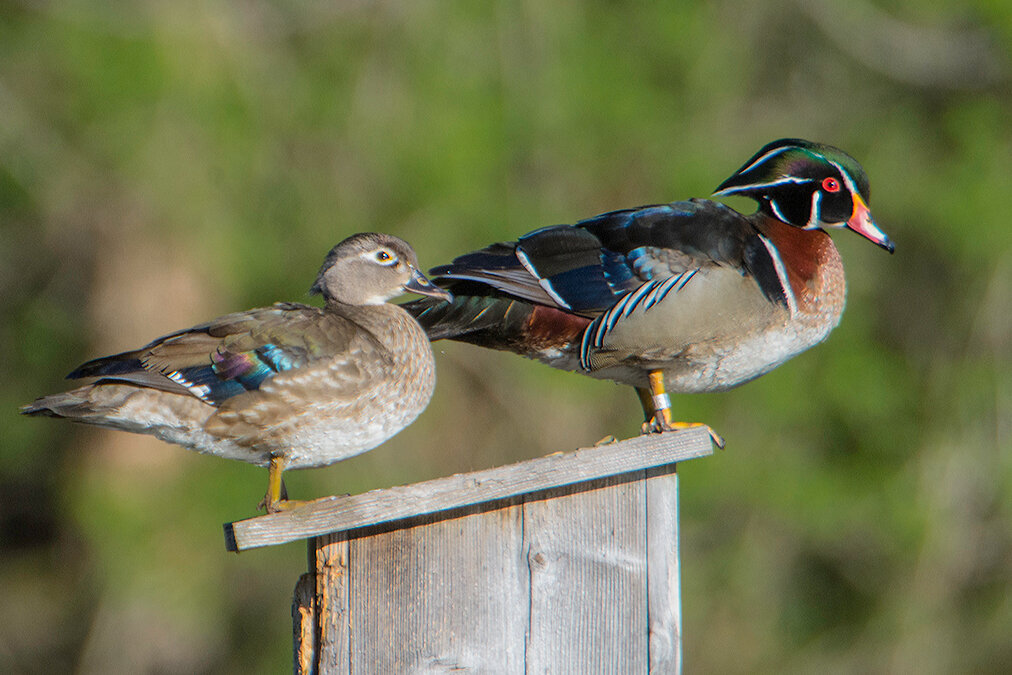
x=647 y=295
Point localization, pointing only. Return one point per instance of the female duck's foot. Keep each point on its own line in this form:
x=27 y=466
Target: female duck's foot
x=279 y=505
x=276 y=498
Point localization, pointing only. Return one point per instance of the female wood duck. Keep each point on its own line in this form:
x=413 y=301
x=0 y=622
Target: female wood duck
x=691 y=293
x=287 y=386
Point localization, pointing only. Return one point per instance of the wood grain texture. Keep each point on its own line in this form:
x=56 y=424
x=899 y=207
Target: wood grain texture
x=444 y=595
x=333 y=639
x=381 y=506
x=304 y=625
x=588 y=590
x=577 y=577
x=664 y=605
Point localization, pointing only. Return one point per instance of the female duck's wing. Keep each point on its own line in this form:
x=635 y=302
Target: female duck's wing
x=232 y=354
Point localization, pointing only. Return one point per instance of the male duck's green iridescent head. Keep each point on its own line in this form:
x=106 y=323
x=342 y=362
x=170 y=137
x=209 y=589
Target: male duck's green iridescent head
x=808 y=185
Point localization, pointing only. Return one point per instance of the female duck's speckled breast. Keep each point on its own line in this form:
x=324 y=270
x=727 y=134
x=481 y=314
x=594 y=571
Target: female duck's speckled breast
x=397 y=388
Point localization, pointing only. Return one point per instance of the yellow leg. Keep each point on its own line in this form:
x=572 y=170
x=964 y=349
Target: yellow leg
x=660 y=400
x=657 y=409
x=276 y=498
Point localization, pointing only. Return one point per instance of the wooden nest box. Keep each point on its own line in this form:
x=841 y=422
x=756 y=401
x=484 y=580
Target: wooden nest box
x=562 y=564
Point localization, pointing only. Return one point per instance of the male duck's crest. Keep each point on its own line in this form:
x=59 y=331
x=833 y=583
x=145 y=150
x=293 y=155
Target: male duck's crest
x=808 y=185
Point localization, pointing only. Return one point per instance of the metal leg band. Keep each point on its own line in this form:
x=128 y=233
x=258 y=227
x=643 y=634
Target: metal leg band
x=661 y=402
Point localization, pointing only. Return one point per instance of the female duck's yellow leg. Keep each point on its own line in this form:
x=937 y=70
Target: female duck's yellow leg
x=276 y=498
x=657 y=410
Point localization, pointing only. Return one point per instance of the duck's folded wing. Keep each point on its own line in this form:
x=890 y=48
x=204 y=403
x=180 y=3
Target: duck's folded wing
x=681 y=238
x=588 y=267
x=230 y=355
x=561 y=266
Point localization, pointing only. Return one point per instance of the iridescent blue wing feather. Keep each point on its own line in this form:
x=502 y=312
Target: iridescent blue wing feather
x=600 y=269
x=587 y=267
x=225 y=357
x=670 y=239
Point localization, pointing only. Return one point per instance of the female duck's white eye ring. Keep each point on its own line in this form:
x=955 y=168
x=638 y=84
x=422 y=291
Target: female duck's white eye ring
x=384 y=257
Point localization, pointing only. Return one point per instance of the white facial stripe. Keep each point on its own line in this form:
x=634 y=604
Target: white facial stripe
x=847 y=180
x=776 y=211
x=764 y=157
x=816 y=215
x=786 y=180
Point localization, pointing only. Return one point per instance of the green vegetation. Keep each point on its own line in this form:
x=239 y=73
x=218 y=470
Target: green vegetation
x=161 y=163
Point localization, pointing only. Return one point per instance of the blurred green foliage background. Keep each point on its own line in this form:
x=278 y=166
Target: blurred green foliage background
x=163 y=163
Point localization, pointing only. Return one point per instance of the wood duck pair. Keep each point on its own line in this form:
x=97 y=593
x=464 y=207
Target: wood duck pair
x=286 y=386
x=689 y=297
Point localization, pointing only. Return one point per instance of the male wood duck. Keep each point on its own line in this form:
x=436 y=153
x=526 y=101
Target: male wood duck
x=692 y=294
x=286 y=386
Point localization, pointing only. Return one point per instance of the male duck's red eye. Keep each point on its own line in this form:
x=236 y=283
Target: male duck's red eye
x=830 y=184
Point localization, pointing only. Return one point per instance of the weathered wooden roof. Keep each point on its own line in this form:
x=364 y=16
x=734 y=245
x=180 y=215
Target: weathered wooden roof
x=334 y=514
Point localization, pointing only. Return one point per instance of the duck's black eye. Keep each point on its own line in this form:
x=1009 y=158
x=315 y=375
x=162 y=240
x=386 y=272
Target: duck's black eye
x=830 y=184
x=384 y=257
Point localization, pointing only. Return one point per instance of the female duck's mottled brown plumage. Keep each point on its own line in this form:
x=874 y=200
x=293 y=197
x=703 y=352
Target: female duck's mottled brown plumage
x=290 y=386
